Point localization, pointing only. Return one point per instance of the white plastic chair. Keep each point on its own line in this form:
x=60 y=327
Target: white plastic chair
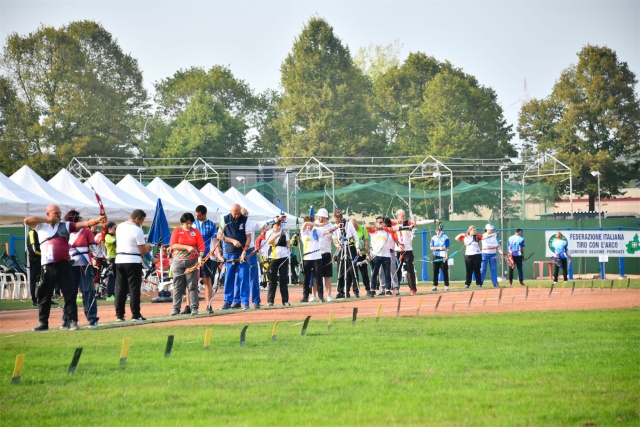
x=7 y=285
x=21 y=286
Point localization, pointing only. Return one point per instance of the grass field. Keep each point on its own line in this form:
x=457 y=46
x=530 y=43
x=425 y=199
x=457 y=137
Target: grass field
x=531 y=368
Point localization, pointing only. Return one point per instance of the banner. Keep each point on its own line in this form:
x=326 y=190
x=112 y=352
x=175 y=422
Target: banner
x=597 y=243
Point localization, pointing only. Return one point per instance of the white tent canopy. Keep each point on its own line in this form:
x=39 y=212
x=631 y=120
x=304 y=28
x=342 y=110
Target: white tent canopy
x=134 y=188
x=162 y=190
x=256 y=211
x=27 y=178
x=67 y=183
x=217 y=196
x=256 y=197
x=18 y=203
x=214 y=209
x=108 y=190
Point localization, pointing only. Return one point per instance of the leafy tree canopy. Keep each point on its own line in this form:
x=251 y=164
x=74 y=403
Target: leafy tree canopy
x=76 y=94
x=590 y=122
x=323 y=110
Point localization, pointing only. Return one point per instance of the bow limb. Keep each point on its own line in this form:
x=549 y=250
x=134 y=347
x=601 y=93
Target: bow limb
x=103 y=213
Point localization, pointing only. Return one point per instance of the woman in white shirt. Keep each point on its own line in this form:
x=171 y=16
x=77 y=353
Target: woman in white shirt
x=472 y=256
x=278 y=244
x=311 y=257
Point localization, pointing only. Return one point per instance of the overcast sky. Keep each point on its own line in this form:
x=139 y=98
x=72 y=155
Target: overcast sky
x=501 y=43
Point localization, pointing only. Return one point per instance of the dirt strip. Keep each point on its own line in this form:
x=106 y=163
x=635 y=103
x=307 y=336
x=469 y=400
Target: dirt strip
x=457 y=300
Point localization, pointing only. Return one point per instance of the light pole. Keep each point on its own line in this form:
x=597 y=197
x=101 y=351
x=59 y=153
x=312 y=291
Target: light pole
x=439 y=175
x=244 y=183
x=286 y=172
x=501 y=169
x=597 y=175
x=140 y=172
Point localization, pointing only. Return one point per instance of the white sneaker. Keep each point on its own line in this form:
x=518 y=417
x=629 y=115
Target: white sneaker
x=446 y=289
x=329 y=297
x=312 y=299
x=434 y=289
x=73 y=325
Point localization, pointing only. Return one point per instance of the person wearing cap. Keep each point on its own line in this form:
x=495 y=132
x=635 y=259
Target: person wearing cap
x=515 y=246
x=490 y=247
x=323 y=225
x=440 y=246
x=111 y=248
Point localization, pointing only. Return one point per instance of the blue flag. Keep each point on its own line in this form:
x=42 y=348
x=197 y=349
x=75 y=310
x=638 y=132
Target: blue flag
x=159 y=230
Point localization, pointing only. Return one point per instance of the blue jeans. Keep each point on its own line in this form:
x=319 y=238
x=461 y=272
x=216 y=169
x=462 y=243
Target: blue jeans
x=82 y=279
x=492 y=261
x=377 y=263
x=236 y=271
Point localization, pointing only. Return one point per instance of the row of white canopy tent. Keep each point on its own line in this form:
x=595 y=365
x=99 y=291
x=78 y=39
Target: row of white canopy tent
x=25 y=193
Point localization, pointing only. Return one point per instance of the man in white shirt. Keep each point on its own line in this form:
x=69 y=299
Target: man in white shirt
x=131 y=248
x=323 y=225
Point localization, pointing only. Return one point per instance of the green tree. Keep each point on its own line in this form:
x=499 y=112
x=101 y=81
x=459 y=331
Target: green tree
x=203 y=114
x=375 y=60
x=205 y=129
x=79 y=92
x=590 y=122
x=323 y=110
x=15 y=125
x=459 y=118
x=398 y=92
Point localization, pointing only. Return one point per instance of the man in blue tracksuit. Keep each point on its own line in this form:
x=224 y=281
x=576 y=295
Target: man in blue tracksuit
x=235 y=239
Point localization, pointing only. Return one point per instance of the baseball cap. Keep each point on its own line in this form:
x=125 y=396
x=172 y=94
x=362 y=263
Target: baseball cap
x=323 y=213
x=489 y=227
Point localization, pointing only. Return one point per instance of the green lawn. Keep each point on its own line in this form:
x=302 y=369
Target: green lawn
x=532 y=368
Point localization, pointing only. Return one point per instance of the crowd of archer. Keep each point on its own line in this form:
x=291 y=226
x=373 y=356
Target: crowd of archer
x=201 y=250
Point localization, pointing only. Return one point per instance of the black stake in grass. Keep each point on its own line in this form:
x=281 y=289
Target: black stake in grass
x=304 y=326
x=75 y=360
x=470 y=299
x=573 y=287
x=550 y=291
x=355 y=316
x=243 y=336
x=398 y=309
x=500 y=297
x=526 y=294
x=167 y=350
x=437 y=304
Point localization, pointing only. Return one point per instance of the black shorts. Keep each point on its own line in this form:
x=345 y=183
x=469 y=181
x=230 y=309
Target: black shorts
x=327 y=265
x=208 y=269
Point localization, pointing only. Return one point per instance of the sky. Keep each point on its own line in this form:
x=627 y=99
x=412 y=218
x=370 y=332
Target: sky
x=502 y=43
